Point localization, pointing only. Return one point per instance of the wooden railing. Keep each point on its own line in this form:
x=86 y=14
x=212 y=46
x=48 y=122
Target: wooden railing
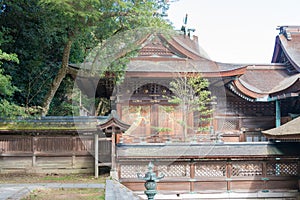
x=223 y=175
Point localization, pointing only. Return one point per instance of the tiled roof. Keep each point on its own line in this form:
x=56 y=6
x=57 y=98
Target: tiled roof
x=288 y=41
x=190 y=45
x=292 y=48
x=289 y=129
x=207 y=150
x=163 y=56
x=260 y=81
x=52 y=124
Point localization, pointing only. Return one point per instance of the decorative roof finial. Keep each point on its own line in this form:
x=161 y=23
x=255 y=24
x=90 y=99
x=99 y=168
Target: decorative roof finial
x=184 y=27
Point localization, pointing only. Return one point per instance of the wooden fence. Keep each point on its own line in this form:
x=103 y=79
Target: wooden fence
x=46 y=154
x=221 y=175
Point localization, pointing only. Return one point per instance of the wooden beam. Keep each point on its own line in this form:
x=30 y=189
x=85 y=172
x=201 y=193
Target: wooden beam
x=105 y=164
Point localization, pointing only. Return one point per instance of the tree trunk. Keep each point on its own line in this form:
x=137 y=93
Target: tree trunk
x=59 y=77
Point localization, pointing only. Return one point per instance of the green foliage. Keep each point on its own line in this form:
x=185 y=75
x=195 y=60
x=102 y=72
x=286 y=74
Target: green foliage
x=162 y=129
x=8 y=109
x=6 y=88
x=11 y=110
x=191 y=93
x=28 y=34
x=37 y=31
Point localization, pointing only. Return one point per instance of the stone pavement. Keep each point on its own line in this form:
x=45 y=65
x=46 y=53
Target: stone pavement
x=18 y=191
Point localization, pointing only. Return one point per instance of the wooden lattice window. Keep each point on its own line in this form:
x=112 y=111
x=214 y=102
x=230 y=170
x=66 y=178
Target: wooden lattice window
x=175 y=170
x=228 y=124
x=246 y=169
x=131 y=171
x=282 y=169
x=210 y=169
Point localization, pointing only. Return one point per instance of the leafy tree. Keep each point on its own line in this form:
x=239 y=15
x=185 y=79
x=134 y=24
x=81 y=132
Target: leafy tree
x=102 y=18
x=6 y=88
x=8 y=109
x=38 y=49
x=38 y=44
x=191 y=94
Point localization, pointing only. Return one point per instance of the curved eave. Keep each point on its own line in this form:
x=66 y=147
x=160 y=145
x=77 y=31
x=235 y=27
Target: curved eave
x=163 y=74
x=113 y=122
x=286 y=84
x=238 y=88
x=281 y=91
x=283 y=46
x=277 y=50
x=189 y=52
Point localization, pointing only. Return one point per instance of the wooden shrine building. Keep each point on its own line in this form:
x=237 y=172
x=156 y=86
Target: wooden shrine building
x=234 y=154
x=245 y=102
x=238 y=152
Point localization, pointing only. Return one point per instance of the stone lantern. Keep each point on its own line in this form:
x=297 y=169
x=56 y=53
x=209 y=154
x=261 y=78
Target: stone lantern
x=150 y=184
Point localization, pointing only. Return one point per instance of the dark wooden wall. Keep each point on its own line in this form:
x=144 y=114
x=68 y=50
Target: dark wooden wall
x=46 y=154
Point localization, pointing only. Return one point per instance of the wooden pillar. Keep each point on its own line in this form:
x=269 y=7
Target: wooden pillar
x=73 y=151
x=228 y=175
x=192 y=176
x=264 y=176
x=113 y=154
x=96 y=154
x=278 y=113
x=34 y=144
